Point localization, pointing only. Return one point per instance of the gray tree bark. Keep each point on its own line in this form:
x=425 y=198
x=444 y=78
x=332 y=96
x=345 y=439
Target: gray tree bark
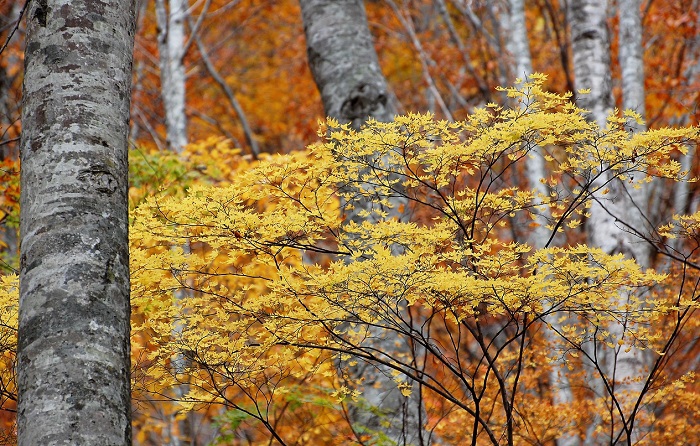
x=346 y=69
x=73 y=359
x=343 y=61
x=637 y=203
x=631 y=59
x=590 y=42
x=535 y=168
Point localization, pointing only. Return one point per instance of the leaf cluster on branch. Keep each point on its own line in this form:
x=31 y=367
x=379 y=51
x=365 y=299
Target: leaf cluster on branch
x=283 y=291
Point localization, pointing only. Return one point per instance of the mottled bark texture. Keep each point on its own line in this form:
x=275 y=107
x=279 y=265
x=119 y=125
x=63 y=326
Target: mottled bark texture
x=518 y=46
x=633 y=98
x=73 y=360
x=343 y=61
x=631 y=58
x=590 y=42
x=346 y=69
x=635 y=203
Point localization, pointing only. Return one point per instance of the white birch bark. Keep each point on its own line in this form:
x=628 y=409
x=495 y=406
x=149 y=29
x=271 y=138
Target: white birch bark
x=171 y=49
x=631 y=58
x=171 y=16
x=535 y=170
x=346 y=69
x=73 y=359
x=591 y=54
x=590 y=43
x=633 y=98
x=635 y=204
x=610 y=213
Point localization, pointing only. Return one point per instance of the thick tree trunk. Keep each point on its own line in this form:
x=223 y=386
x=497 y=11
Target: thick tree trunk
x=590 y=41
x=171 y=50
x=343 y=61
x=346 y=69
x=73 y=360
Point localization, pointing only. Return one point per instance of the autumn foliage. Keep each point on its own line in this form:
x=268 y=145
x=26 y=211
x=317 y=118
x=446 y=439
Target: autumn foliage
x=268 y=295
x=255 y=295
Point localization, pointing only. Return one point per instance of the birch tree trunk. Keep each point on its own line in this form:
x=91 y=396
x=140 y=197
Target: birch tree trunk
x=615 y=215
x=635 y=203
x=631 y=57
x=73 y=359
x=590 y=44
x=171 y=50
x=535 y=170
x=346 y=70
x=171 y=16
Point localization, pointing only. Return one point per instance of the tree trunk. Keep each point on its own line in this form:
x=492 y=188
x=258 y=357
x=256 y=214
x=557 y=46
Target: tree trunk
x=633 y=98
x=73 y=359
x=171 y=50
x=615 y=215
x=535 y=170
x=343 y=61
x=590 y=44
x=346 y=69
x=632 y=363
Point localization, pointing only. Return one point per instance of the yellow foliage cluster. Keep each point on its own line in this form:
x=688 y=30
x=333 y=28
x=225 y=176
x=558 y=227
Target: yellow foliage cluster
x=249 y=288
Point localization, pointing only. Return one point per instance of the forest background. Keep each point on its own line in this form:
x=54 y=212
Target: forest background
x=247 y=91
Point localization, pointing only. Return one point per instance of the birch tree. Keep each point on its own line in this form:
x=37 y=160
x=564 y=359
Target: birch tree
x=535 y=170
x=590 y=43
x=73 y=363
x=618 y=212
x=633 y=98
x=171 y=50
x=346 y=70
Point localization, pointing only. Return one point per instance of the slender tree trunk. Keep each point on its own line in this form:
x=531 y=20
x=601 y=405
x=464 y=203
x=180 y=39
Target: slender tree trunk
x=73 y=360
x=346 y=69
x=635 y=204
x=171 y=16
x=681 y=192
x=632 y=58
x=590 y=43
x=171 y=49
x=613 y=216
x=633 y=98
x=535 y=170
